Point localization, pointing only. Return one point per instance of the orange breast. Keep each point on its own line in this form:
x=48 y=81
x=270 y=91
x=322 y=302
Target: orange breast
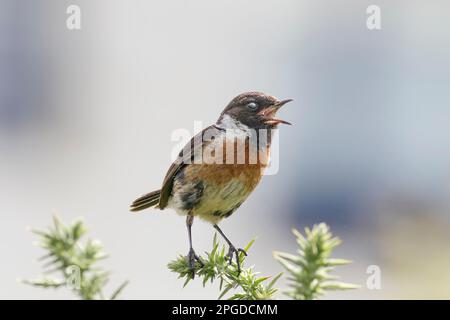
x=235 y=160
x=224 y=185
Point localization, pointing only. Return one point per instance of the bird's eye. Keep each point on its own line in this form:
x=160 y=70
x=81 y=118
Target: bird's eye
x=252 y=105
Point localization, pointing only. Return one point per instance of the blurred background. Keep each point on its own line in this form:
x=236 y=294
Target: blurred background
x=86 y=118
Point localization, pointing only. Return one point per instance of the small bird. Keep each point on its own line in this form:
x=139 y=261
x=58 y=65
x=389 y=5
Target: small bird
x=196 y=186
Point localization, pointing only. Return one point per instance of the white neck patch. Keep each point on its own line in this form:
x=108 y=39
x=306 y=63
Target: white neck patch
x=227 y=122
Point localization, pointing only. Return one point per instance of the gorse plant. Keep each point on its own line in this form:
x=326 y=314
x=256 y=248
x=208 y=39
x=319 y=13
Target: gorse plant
x=217 y=267
x=309 y=269
x=75 y=262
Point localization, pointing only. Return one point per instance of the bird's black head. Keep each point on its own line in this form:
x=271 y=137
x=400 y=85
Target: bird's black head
x=255 y=110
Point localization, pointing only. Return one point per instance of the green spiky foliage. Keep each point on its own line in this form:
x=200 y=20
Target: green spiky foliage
x=216 y=267
x=309 y=269
x=75 y=262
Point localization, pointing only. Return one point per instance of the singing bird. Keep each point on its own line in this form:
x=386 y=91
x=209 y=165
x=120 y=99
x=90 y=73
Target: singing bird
x=196 y=186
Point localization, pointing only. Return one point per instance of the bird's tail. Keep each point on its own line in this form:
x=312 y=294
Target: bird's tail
x=146 y=201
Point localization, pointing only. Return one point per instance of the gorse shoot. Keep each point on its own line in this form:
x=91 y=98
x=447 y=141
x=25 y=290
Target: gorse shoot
x=216 y=267
x=75 y=262
x=309 y=269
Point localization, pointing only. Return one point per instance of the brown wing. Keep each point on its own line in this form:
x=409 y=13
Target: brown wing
x=185 y=157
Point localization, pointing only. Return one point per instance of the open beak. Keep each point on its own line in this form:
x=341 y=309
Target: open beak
x=270 y=112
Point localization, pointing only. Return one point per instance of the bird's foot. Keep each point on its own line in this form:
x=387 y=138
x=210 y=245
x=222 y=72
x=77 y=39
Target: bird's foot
x=192 y=258
x=232 y=251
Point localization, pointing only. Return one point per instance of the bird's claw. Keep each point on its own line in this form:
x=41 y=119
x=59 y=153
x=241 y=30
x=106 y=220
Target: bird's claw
x=232 y=251
x=192 y=258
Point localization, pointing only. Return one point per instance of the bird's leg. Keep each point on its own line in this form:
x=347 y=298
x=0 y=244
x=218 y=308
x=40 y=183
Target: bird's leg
x=232 y=250
x=191 y=257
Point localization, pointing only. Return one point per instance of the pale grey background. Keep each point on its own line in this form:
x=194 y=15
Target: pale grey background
x=86 y=118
